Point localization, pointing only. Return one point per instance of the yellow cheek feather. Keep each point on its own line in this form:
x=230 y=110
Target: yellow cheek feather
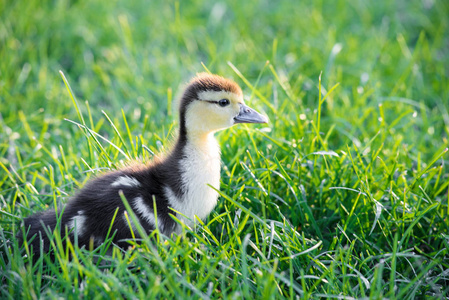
x=204 y=117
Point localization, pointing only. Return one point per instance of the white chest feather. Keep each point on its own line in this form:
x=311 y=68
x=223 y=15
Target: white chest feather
x=200 y=170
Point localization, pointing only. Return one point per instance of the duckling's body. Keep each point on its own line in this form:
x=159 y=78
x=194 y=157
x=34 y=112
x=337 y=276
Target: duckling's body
x=186 y=180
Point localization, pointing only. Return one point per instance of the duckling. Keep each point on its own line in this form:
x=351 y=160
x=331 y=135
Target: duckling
x=186 y=180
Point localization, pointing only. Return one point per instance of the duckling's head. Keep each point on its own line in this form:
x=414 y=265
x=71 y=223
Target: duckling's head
x=211 y=103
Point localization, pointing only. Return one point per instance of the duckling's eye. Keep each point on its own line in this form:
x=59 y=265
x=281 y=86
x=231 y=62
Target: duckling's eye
x=223 y=102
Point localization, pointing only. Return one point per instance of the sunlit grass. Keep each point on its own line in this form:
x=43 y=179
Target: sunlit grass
x=343 y=193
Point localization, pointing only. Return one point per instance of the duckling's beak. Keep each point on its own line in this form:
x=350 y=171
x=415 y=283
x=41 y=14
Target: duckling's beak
x=249 y=115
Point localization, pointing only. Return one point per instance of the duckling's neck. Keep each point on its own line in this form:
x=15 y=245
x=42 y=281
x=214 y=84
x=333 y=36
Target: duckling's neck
x=204 y=143
x=202 y=163
x=200 y=176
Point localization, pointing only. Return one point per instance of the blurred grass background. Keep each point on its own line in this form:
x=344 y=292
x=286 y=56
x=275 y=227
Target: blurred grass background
x=387 y=121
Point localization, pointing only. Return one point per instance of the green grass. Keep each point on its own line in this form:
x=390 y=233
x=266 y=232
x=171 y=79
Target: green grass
x=342 y=194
